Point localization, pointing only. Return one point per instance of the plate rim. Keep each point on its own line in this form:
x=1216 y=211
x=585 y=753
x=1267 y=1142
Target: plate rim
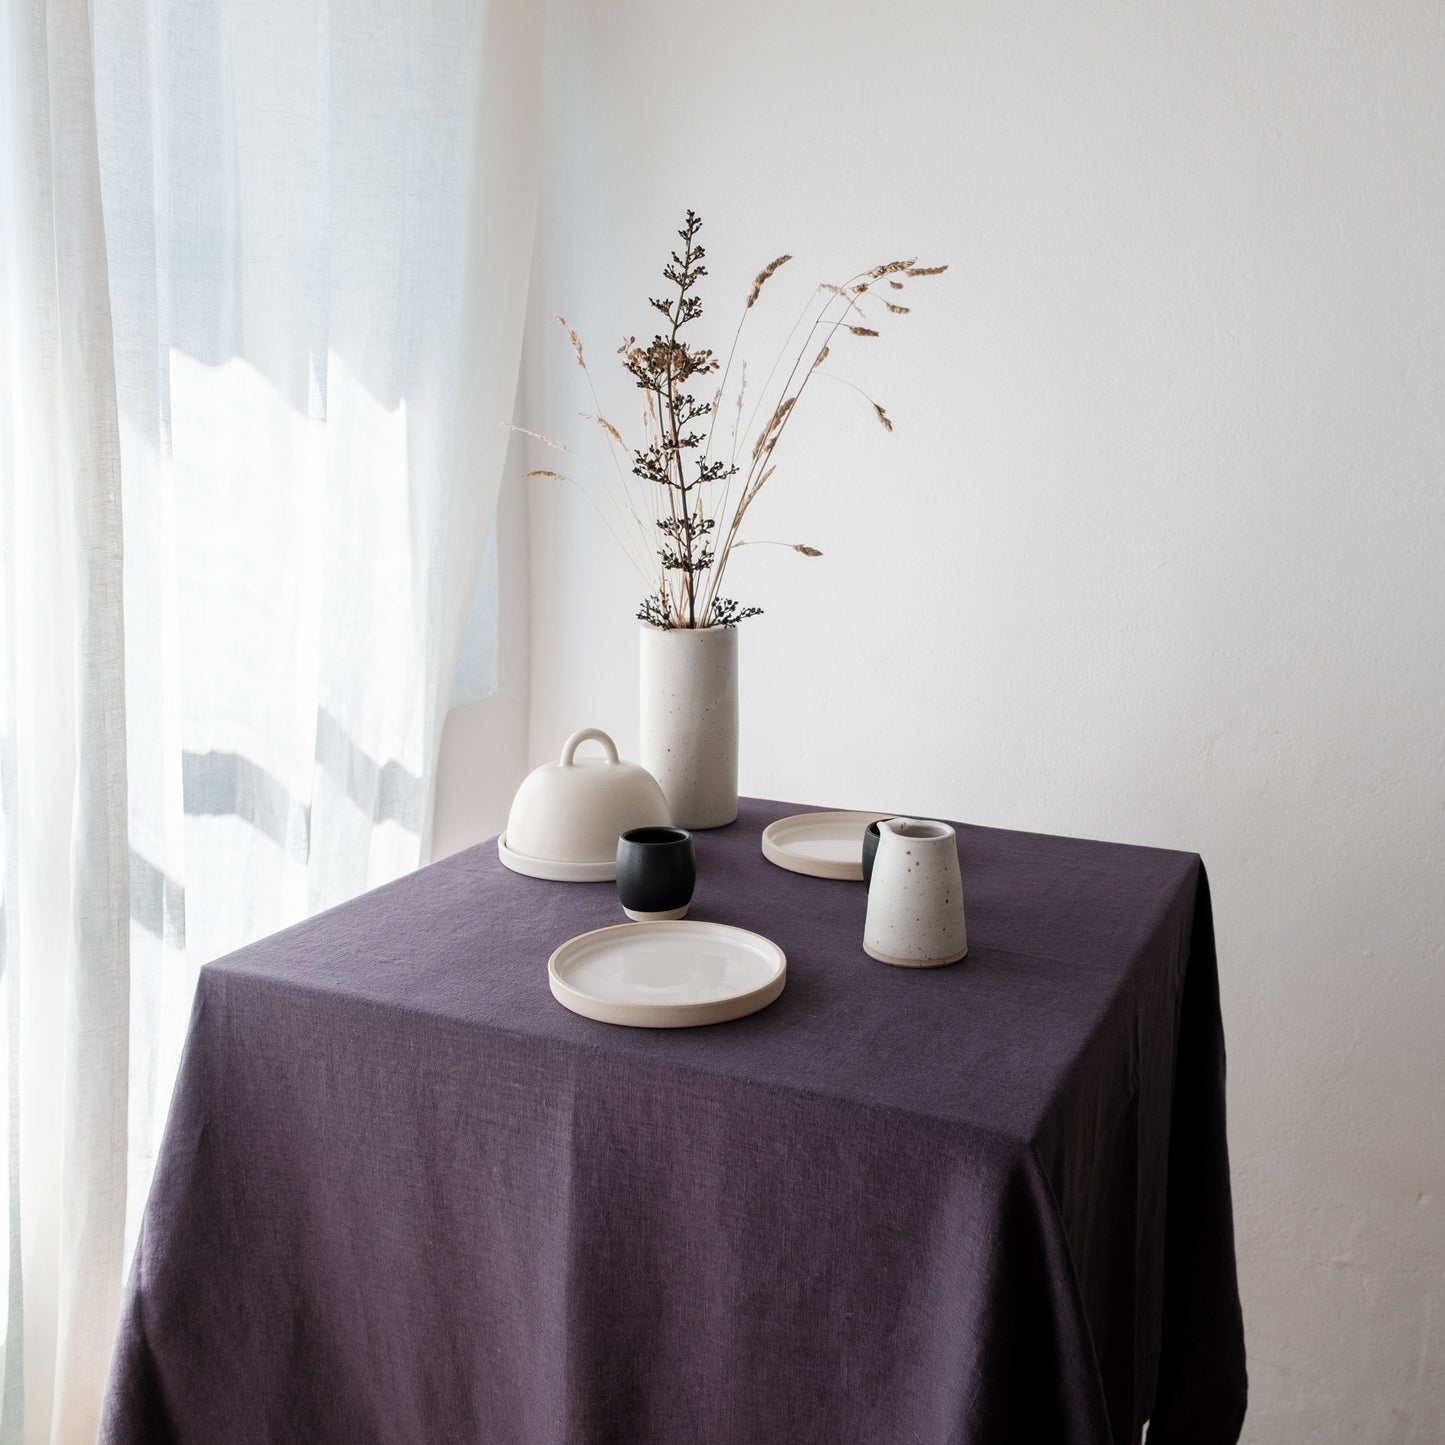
x=818 y=867
x=666 y=1015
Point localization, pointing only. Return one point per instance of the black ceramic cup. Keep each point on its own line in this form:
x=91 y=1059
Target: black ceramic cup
x=656 y=870
x=870 y=852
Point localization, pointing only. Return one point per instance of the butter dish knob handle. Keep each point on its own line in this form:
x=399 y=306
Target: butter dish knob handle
x=586 y=735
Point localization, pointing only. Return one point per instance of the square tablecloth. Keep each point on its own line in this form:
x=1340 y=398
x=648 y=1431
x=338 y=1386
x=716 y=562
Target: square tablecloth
x=405 y=1196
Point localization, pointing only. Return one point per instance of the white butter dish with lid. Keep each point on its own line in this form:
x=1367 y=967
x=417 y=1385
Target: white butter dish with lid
x=567 y=816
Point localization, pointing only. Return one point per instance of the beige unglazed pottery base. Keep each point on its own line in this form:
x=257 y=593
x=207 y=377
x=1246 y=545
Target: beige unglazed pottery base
x=914 y=962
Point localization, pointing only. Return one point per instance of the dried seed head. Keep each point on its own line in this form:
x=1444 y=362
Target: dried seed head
x=891 y=266
x=862 y=331
x=926 y=270
x=896 y=310
x=896 y=285
x=883 y=416
x=762 y=276
x=573 y=338
x=538 y=437
x=605 y=425
x=542 y=472
x=778 y=417
x=806 y=551
x=821 y=357
x=756 y=487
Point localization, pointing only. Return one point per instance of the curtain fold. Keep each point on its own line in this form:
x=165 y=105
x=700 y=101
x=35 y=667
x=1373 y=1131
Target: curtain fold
x=67 y=894
x=263 y=266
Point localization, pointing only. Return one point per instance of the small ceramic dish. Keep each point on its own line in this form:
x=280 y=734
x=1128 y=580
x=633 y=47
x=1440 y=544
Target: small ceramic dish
x=822 y=845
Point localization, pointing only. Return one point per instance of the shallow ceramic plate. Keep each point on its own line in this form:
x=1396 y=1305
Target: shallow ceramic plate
x=552 y=869
x=822 y=845
x=667 y=975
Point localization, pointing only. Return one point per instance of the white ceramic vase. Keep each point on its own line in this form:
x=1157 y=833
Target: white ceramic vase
x=689 y=705
x=915 y=897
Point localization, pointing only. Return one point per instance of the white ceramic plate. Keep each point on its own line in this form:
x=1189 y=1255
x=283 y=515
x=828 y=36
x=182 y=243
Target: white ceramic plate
x=553 y=870
x=822 y=845
x=667 y=975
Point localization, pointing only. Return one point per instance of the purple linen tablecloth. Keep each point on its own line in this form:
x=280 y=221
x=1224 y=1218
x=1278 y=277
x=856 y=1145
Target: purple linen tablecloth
x=404 y=1196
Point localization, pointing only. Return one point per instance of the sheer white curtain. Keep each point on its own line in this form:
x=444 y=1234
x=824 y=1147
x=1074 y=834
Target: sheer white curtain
x=263 y=267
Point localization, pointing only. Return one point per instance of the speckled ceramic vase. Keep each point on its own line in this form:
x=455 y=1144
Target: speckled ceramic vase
x=689 y=697
x=915 y=896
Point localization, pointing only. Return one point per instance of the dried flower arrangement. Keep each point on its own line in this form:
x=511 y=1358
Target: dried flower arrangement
x=682 y=500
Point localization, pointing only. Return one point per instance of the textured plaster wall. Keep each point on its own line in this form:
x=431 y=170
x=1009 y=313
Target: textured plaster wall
x=1154 y=554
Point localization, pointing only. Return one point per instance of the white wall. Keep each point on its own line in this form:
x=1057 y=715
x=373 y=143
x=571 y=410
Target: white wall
x=1154 y=553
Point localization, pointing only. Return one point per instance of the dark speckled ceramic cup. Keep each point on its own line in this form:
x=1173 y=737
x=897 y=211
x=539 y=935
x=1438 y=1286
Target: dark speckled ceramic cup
x=656 y=871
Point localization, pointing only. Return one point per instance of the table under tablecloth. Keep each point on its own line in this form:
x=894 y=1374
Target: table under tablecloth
x=405 y=1196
